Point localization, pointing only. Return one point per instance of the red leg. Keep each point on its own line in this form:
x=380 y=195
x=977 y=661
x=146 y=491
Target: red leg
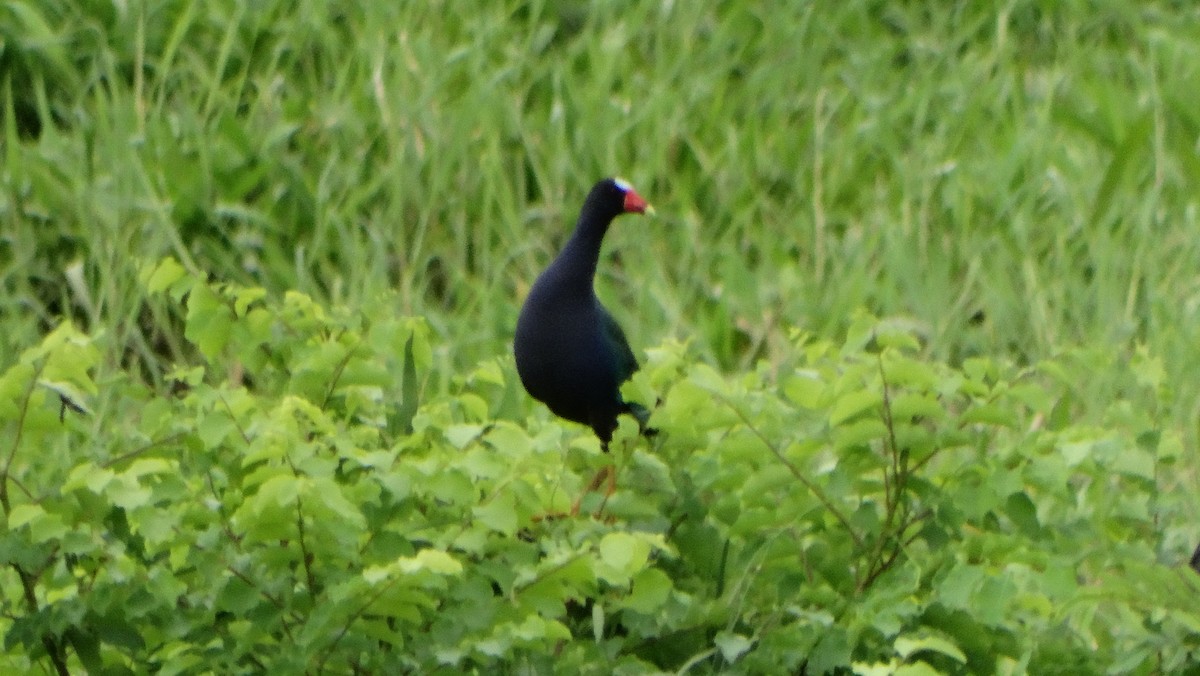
x=606 y=473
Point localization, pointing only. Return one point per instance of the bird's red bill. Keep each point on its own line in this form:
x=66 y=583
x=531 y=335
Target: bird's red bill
x=634 y=202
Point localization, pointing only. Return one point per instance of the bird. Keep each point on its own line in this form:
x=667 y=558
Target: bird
x=571 y=353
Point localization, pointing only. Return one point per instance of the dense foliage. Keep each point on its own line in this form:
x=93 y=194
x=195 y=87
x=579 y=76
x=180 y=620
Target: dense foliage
x=316 y=509
x=923 y=289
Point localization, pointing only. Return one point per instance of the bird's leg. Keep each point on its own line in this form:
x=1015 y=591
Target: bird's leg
x=611 y=471
x=605 y=472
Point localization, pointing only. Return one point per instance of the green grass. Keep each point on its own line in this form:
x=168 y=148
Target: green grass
x=1015 y=182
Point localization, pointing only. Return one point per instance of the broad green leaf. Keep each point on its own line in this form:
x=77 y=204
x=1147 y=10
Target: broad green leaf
x=209 y=321
x=908 y=405
x=451 y=486
x=852 y=404
x=22 y=515
x=489 y=371
x=162 y=276
x=918 y=668
x=243 y=298
x=461 y=435
x=43 y=526
x=651 y=589
x=483 y=462
x=991 y=414
x=143 y=466
x=959 y=586
x=907 y=646
x=509 y=439
x=1035 y=397
x=13 y=384
x=473 y=406
x=89 y=476
x=901 y=371
x=499 y=514
x=622 y=555
x=432 y=560
x=707 y=378
x=732 y=646
x=127 y=492
x=859 y=432
x=807 y=390
x=831 y=652
x=326 y=498
x=992 y=599
x=889 y=335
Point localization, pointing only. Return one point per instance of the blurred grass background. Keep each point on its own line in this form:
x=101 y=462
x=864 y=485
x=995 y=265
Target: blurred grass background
x=1014 y=178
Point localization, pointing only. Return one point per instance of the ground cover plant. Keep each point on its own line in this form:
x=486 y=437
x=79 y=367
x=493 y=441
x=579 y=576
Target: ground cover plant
x=918 y=317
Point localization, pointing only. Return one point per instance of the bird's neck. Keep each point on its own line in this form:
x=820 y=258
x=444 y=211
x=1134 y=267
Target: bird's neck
x=578 y=259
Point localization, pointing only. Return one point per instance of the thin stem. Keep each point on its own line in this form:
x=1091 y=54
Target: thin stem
x=812 y=487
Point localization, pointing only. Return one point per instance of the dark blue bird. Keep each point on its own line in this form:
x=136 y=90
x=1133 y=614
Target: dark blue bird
x=571 y=354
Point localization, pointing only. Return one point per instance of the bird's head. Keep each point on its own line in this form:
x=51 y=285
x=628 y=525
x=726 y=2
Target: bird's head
x=615 y=196
x=632 y=203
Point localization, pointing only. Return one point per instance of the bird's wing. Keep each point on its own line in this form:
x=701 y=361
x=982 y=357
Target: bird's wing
x=626 y=362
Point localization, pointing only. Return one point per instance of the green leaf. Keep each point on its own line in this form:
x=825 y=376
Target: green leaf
x=13 y=384
x=732 y=646
x=89 y=476
x=163 y=276
x=917 y=669
x=908 y=405
x=500 y=514
x=451 y=486
x=432 y=560
x=906 y=647
x=831 y=652
x=990 y=414
x=209 y=321
x=126 y=492
x=621 y=555
x=43 y=526
x=461 y=435
x=807 y=390
x=651 y=589
x=959 y=586
x=22 y=515
x=511 y=440
x=854 y=403
x=243 y=298
x=489 y=371
x=859 y=432
x=992 y=599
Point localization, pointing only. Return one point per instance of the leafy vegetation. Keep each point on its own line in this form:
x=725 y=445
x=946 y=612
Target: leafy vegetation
x=921 y=310
x=863 y=507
